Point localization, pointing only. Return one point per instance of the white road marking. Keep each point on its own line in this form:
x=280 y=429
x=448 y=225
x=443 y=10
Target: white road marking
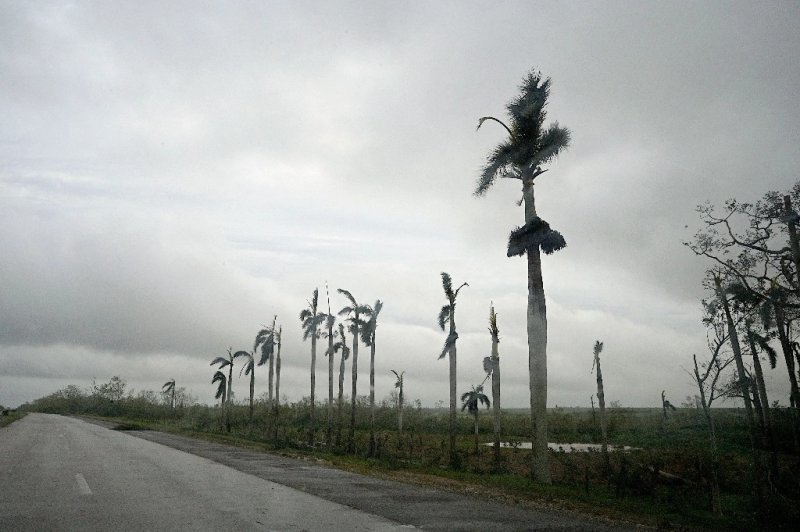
x=83 y=486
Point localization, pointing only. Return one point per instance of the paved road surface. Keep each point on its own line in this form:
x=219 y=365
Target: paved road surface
x=59 y=473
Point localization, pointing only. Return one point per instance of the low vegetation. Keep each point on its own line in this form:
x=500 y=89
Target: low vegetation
x=663 y=482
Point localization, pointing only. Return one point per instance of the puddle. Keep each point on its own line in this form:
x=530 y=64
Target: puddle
x=566 y=447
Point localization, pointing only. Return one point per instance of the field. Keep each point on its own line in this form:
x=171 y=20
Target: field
x=663 y=483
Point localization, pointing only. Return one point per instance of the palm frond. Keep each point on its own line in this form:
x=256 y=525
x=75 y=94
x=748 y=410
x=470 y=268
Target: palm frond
x=448 y=344
x=552 y=142
x=444 y=315
x=488 y=365
x=447 y=284
x=763 y=343
x=220 y=378
x=169 y=385
x=346 y=310
x=221 y=361
x=493 y=330
x=348 y=295
x=536 y=232
x=598 y=347
x=499 y=163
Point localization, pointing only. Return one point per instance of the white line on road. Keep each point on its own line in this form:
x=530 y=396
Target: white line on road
x=83 y=486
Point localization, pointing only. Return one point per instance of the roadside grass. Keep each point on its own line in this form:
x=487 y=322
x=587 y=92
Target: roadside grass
x=632 y=490
x=10 y=418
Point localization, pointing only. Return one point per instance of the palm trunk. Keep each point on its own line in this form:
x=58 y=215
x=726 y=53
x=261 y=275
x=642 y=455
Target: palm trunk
x=601 y=399
x=340 y=403
x=277 y=404
x=496 y=397
x=352 y=441
x=312 y=429
x=786 y=348
x=329 y=429
x=230 y=380
x=172 y=402
x=452 y=357
x=477 y=449
x=537 y=350
x=794 y=241
x=400 y=412
x=372 y=396
x=271 y=376
x=252 y=387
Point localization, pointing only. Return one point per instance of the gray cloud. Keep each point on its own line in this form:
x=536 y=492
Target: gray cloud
x=171 y=177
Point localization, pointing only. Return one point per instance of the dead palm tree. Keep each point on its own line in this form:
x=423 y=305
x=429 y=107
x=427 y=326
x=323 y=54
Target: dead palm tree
x=601 y=398
x=311 y=320
x=529 y=146
x=448 y=315
x=471 y=401
x=368 y=337
x=493 y=365
x=355 y=312
x=399 y=384
x=277 y=404
x=169 y=387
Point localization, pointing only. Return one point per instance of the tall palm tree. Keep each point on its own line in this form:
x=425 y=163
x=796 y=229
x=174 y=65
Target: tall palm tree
x=265 y=341
x=226 y=362
x=471 y=401
x=340 y=345
x=368 y=337
x=248 y=368
x=529 y=146
x=399 y=384
x=448 y=315
x=330 y=321
x=222 y=387
x=277 y=404
x=311 y=320
x=494 y=367
x=354 y=311
x=169 y=387
x=601 y=398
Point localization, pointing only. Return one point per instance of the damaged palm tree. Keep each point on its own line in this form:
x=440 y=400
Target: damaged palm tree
x=448 y=315
x=368 y=337
x=330 y=321
x=248 y=369
x=311 y=320
x=399 y=384
x=169 y=387
x=337 y=346
x=355 y=313
x=529 y=147
x=222 y=363
x=601 y=398
x=222 y=387
x=491 y=365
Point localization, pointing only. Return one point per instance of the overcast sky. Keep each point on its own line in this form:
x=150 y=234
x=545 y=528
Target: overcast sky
x=174 y=174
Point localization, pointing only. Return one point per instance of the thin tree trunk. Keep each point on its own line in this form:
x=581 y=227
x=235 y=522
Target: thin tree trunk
x=340 y=402
x=794 y=241
x=354 y=394
x=277 y=403
x=252 y=387
x=271 y=374
x=312 y=429
x=788 y=355
x=601 y=399
x=537 y=350
x=716 y=507
x=452 y=359
x=743 y=383
x=400 y=412
x=496 y=396
x=372 y=396
x=765 y=412
x=329 y=430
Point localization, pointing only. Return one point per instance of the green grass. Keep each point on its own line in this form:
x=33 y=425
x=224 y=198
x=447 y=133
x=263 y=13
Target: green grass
x=631 y=491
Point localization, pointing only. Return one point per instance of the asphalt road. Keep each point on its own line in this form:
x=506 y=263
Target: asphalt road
x=59 y=473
